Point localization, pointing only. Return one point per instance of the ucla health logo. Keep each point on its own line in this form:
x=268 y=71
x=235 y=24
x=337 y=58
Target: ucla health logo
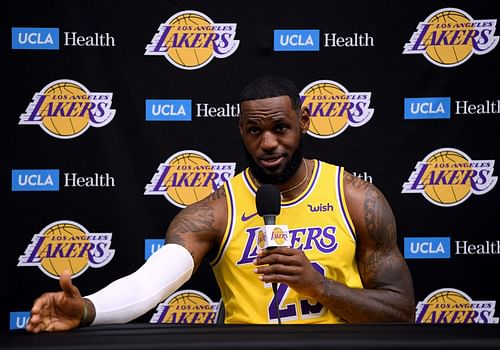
x=168 y=110
x=450 y=36
x=35 y=180
x=427 y=247
x=447 y=177
x=449 y=305
x=35 y=38
x=187 y=307
x=333 y=108
x=427 y=108
x=187 y=177
x=190 y=40
x=67 y=245
x=296 y=40
x=65 y=109
x=151 y=246
x=18 y=319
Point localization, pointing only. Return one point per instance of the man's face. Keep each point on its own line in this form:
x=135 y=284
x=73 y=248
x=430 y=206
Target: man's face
x=272 y=133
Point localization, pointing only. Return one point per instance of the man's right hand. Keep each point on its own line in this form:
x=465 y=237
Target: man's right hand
x=59 y=311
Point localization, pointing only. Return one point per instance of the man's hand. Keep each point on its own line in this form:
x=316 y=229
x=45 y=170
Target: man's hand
x=290 y=266
x=59 y=311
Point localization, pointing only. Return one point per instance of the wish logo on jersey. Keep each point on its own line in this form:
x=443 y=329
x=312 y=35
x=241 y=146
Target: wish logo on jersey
x=67 y=245
x=66 y=109
x=333 y=108
x=449 y=37
x=190 y=40
x=187 y=177
x=447 y=177
x=186 y=306
x=450 y=305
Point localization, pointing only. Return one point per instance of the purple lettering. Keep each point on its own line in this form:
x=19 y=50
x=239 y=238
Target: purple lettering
x=418 y=46
x=160 y=47
x=248 y=254
x=159 y=184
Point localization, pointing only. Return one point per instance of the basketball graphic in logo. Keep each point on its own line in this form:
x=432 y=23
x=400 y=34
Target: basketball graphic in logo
x=454 y=191
x=188 y=162
x=333 y=108
x=452 y=53
x=447 y=177
x=187 y=177
x=190 y=40
x=186 y=56
x=449 y=37
x=54 y=263
x=186 y=307
x=65 y=109
x=74 y=124
x=67 y=246
x=452 y=306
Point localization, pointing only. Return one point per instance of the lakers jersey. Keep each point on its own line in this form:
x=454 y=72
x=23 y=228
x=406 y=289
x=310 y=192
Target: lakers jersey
x=319 y=225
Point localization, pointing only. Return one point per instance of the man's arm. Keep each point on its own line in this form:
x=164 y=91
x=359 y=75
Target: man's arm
x=192 y=233
x=387 y=295
x=388 y=288
x=200 y=227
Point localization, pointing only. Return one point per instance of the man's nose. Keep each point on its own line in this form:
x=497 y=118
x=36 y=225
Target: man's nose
x=269 y=141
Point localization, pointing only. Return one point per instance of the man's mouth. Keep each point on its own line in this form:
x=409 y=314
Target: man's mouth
x=270 y=162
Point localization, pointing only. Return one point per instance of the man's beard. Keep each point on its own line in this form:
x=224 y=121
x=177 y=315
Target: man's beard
x=283 y=176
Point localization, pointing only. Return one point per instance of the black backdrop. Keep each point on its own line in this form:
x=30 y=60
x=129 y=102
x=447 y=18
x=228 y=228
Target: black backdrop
x=385 y=150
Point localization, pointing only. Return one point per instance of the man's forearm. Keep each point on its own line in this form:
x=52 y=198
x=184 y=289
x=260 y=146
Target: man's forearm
x=357 y=305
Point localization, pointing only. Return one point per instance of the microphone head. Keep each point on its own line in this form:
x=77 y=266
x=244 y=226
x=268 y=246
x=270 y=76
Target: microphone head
x=268 y=200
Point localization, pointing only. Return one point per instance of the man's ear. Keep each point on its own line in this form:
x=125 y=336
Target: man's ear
x=305 y=119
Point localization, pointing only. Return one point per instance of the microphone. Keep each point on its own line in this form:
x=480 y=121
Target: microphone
x=268 y=202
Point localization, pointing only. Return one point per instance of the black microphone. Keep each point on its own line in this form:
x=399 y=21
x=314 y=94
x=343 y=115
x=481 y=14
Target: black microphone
x=268 y=202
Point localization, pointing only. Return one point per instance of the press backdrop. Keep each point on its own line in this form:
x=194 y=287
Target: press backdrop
x=118 y=114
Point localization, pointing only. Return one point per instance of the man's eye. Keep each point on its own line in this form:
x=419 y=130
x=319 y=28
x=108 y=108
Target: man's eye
x=253 y=131
x=281 y=128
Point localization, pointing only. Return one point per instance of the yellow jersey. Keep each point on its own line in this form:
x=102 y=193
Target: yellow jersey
x=319 y=225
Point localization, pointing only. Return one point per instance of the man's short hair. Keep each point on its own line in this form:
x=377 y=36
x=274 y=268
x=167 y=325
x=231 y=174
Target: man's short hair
x=271 y=86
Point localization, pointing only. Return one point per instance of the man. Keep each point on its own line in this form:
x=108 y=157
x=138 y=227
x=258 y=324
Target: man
x=344 y=264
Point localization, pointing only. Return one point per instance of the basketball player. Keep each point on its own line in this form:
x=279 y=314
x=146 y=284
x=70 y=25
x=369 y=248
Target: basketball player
x=344 y=264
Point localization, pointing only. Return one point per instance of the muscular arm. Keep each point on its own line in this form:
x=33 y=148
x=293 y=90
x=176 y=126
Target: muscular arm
x=388 y=289
x=199 y=227
x=387 y=295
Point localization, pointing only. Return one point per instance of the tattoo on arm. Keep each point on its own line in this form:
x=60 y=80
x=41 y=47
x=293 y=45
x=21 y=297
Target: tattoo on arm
x=195 y=218
x=380 y=264
x=388 y=291
x=379 y=218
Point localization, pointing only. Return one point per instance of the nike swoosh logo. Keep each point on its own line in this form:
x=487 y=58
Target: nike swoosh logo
x=246 y=218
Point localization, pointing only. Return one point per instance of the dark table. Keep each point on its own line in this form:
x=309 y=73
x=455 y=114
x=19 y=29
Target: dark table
x=154 y=336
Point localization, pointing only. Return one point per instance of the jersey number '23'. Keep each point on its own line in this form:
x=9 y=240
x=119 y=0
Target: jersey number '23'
x=289 y=311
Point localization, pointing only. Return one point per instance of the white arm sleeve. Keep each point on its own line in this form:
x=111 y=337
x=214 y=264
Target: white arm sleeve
x=131 y=296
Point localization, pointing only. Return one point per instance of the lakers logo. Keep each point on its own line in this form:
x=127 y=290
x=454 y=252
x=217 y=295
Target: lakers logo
x=447 y=177
x=66 y=109
x=186 y=307
x=279 y=236
x=261 y=239
x=67 y=245
x=190 y=40
x=333 y=108
x=450 y=36
x=188 y=177
x=450 y=305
